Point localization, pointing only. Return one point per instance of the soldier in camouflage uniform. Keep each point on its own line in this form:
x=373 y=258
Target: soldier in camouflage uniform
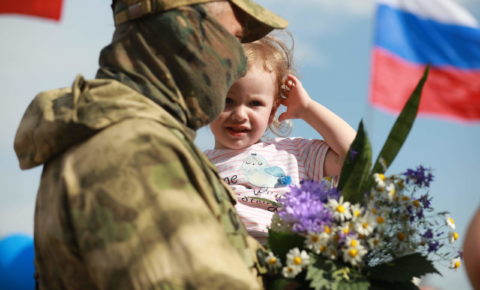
x=126 y=200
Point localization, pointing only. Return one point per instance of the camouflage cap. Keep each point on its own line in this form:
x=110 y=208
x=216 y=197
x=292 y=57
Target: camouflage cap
x=260 y=22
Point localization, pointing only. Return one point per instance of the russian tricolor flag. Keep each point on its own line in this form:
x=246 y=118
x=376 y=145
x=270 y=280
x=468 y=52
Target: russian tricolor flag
x=410 y=34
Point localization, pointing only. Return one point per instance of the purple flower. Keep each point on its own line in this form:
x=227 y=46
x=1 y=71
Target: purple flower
x=304 y=206
x=425 y=201
x=420 y=214
x=428 y=234
x=433 y=246
x=420 y=176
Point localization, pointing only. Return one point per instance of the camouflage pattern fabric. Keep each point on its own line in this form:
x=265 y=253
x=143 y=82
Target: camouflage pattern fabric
x=182 y=60
x=126 y=201
x=259 y=22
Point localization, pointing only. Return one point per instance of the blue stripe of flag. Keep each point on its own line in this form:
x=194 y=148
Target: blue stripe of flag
x=425 y=41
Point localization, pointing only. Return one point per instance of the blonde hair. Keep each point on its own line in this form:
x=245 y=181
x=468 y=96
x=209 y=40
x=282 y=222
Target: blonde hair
x=276 y=57
x=273 y=55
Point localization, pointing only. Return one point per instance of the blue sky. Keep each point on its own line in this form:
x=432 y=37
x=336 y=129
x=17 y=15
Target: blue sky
x=332 y=52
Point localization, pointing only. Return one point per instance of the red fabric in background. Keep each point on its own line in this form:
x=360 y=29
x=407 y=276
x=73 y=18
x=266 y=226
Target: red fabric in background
x=51 y=9
x=449 y=93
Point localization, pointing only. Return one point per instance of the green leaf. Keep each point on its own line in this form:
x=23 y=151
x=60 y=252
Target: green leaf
x=281 y=242
x=403 y=269
x=349 y=278
x=382 y=285
x=400 y=129
x=325 y=274
x=356 y=168
x=353 y=285
x=317 y=281
x=282 y=284
x=317 y=278
x=319 y=273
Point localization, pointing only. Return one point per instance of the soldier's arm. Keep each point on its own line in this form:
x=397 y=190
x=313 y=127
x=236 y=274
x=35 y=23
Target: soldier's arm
x=143 y=224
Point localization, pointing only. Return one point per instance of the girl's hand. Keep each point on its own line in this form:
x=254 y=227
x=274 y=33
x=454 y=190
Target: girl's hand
x=296 y=99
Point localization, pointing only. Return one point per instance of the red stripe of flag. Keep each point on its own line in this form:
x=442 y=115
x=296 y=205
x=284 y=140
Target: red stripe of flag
x=449 y=92
x=51 y=9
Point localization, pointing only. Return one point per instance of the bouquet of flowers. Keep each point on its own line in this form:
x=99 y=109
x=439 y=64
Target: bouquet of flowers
x=369 y=231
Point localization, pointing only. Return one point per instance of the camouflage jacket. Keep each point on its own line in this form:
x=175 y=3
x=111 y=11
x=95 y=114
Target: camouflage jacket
x=126 y=201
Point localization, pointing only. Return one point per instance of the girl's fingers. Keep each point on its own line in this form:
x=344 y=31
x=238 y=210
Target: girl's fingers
x=290 y=83
x=283 y=116
x=287 y=86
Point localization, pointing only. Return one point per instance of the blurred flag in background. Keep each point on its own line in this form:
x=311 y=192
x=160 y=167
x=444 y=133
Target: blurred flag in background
x=51 y=9
x=410 y=34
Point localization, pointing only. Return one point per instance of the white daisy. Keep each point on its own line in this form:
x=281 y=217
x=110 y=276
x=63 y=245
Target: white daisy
x=380 y=181
x=291 y=271
x=453 y=236
x=450 y=222
x=345 y=229
x=296 y=258
x=317 y=242
x=404 y=200
x=354 y=255
x=352 y=242
x=372 y=207
x=356 y=210
x=365 y=225
x=327 y=230
x=331 y=252
x=403 y=244
x=375 y=242
x=272 y=261
x=379 y=219
x=340 y=209
x=417 y=204
x=455 y=263
x=401 y=236
x=391 y=192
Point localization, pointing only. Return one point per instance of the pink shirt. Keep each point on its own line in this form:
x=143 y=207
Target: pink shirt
x=262 y=171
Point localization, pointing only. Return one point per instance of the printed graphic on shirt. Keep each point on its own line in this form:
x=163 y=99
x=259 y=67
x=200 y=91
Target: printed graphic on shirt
x=256 y=181
x=263 y=203
x=258 y=173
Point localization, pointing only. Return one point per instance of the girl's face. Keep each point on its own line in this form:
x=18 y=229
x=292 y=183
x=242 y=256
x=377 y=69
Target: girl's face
x=249 y=109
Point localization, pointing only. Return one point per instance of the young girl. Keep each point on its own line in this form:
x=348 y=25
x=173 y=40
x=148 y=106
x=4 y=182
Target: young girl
x=263 y=169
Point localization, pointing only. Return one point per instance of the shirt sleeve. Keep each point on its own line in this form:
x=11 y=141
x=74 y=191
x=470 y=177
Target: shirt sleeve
x=312 y=153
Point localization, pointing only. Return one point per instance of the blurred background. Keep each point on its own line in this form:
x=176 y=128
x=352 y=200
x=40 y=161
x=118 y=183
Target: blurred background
x=333 y=46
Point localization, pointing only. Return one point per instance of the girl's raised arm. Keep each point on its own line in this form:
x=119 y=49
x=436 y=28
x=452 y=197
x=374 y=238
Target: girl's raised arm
x=336 y=132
